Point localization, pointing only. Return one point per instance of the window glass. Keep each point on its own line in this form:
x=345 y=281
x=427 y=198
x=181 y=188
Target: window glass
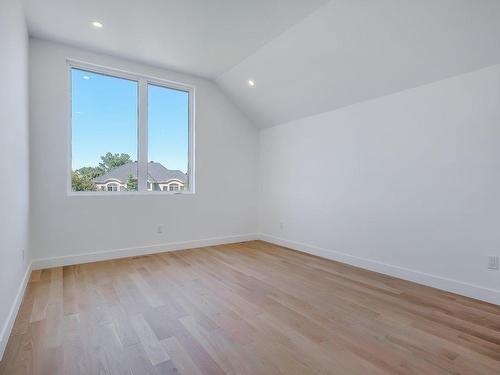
x=168 y=135
x=104 y=131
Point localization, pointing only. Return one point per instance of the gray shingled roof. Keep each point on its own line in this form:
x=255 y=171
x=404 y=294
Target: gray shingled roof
x=156 y=173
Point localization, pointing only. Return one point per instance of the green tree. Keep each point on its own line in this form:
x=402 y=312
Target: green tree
x=91 y=172
x=111 y=161
x=131 y=183
x=80 y=182
x=186 y=184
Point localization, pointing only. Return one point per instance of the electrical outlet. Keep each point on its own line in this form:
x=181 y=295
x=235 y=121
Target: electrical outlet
x=159 y=229
x=493 y=262
x=22 y=251
x=282 y=226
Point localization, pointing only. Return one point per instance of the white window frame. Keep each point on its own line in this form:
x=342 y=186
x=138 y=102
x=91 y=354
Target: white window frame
x=142 y=128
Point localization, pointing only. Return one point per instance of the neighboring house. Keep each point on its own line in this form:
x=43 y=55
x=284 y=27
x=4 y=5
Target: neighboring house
x=159 y=178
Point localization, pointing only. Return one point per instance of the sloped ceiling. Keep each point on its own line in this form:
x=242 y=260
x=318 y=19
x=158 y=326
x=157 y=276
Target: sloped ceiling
x=349 y=51
x=305 y=56
x=201 y=37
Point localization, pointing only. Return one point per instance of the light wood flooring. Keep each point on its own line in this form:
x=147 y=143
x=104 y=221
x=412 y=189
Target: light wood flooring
x=247 y=308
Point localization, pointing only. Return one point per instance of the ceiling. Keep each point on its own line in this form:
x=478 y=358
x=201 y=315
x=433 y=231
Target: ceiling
x=305 y=56
x=349 y=51
x=201 y=37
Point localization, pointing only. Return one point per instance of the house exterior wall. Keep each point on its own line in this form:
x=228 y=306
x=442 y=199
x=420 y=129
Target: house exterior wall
x=158 y=186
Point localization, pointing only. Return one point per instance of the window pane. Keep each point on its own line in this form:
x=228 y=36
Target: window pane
x=168 y=138
x=104 y=132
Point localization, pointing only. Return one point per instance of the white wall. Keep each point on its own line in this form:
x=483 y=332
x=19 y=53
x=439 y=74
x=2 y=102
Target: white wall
x=14 y=158
x=406 y=184
x=226 y=173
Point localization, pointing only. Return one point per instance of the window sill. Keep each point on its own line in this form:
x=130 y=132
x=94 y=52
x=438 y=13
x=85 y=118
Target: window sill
x=125 y=193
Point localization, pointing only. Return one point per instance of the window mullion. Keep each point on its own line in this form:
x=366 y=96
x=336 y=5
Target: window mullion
x=143 y=137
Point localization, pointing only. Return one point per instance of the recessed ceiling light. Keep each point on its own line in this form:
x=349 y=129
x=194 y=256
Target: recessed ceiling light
x=86 y=77
x=251 y=83
x=97 y=24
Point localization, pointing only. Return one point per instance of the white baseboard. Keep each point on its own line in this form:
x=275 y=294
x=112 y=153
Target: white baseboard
x=68 y=260
x=9 y=324
x=449 y=285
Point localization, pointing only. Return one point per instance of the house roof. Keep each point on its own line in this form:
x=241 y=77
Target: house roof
x=156 y=173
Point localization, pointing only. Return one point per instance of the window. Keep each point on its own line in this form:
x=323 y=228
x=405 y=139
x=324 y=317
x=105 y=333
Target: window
x=133 y=130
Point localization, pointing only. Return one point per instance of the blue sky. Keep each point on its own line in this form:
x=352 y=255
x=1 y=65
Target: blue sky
x=104 y=119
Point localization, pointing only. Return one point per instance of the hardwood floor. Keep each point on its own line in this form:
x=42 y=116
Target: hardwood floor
x=247 y=308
